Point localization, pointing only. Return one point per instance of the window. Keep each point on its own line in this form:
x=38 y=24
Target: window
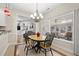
x=62 y=26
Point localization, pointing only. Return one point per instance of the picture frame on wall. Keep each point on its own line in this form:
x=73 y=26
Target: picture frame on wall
x=63 y=29
x=52 y=28
x=69 y=28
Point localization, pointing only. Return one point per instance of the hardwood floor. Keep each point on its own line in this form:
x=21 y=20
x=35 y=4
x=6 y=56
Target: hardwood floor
x=20 y=52
x=10 y=51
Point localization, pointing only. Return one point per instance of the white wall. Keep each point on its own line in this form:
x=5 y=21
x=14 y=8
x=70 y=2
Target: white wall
x=44 y=25
x=76 y=32
x=2 y=18
x=37 y=27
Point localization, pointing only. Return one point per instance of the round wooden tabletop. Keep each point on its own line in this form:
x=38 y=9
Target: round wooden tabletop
x=35 y=38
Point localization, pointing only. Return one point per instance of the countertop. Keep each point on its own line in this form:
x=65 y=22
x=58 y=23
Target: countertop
x=3 y=32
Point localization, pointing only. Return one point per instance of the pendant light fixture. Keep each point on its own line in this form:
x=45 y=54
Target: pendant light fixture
x=6 y=10
x=36 y=16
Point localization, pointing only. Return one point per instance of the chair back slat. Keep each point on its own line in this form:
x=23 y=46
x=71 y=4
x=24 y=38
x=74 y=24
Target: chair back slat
x=26 y=38
x=49 y=39
x=25 y=35
x=31 y=33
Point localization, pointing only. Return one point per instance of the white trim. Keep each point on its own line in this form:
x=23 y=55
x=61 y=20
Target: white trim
x=60 y=39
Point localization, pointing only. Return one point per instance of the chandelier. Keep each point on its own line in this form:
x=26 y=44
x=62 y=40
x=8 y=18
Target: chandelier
x=36 y=16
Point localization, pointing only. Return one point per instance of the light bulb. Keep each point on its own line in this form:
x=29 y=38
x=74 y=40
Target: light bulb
x=8 y=13
x=35 y=14
x=41 y=15
x=31 y=15
x=37 y=17
x=6 y=10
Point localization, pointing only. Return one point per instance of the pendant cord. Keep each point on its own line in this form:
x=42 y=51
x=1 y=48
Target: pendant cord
x=37 y=9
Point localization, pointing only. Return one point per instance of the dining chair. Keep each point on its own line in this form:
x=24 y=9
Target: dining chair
x=27 y=43
x=31 y=33
x=46 y=45
x=26 y=39
x=47 y=33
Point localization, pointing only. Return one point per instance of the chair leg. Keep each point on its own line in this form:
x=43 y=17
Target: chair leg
x=27 y=51
x=45 y=52
x=39 y=50
x=51 y=51
x=35 y=50
x=25 y=48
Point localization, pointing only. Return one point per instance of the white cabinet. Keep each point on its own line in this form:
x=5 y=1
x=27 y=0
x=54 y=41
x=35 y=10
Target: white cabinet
x=2 y=18
x=3 y=43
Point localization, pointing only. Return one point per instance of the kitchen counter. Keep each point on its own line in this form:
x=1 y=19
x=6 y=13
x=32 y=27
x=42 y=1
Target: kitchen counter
x=4 y=32
x=3 y=41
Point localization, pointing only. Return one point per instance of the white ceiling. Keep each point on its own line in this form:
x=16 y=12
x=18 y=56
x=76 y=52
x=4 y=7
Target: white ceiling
x=31 y=7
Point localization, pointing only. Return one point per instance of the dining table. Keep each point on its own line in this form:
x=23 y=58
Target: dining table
x=37 y=39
